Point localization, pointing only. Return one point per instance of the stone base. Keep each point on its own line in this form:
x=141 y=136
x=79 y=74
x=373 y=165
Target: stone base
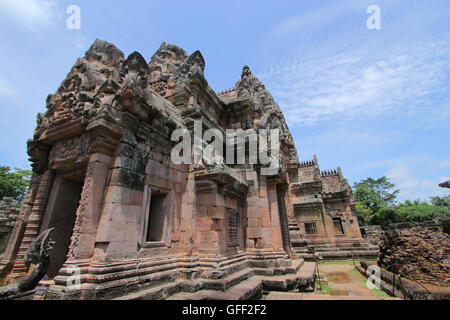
x=161 y=277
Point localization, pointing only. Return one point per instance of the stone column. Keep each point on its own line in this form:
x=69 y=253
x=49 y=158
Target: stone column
x=281 y=195
x=89 y=211
x=274 y=216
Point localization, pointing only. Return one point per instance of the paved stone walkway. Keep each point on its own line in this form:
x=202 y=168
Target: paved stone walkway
x=343 y=284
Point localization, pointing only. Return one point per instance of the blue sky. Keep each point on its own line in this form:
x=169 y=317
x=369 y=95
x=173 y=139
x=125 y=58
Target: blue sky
x=375 y=102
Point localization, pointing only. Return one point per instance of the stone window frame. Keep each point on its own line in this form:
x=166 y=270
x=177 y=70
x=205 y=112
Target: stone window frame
x=167 y=234
x=314 y=223
x=233 y=213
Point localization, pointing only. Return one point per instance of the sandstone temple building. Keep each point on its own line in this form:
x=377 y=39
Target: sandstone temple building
x=129 y=223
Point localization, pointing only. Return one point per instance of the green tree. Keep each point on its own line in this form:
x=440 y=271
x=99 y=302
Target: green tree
x=364 y=215
x=14 y=183
x=385 y=216
x=416 y=211
x=371 y=195
x=441 y=201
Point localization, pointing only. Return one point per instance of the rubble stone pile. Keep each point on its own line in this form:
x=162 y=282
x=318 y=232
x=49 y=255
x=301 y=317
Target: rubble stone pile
x=417 y=253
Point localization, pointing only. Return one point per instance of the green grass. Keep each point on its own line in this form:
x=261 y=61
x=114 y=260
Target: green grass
x=339 y=262
x=325 y=288
x=377 y=292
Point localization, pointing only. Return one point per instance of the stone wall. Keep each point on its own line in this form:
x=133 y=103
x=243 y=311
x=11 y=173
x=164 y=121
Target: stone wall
x=372 y=234
x=439 y=224
x=417 y=253
x=9 y=211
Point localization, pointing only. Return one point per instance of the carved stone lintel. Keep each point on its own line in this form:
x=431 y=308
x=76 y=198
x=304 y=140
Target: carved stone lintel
x=70 y=151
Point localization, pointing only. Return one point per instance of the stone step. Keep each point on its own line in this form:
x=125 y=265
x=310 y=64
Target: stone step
x=294 y=268
x=227 y=269
x=229 y=281
x=330 y=249
x=246 y=290
x=315 y=296
x=339 y=246
x=155 y=293
x=303 y=280
x=340 y=255
x=242 y=285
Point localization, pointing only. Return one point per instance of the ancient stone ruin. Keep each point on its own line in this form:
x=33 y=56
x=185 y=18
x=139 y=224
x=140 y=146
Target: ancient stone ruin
x=323 y=223
x=9 y=212
x=130 y=223
x=417 y=253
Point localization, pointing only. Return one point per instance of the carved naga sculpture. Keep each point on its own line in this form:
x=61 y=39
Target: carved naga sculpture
x=37 y=254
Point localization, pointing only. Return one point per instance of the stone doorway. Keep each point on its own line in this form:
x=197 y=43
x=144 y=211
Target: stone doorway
x=337 y=224
x=157 y=219
x=60 y=214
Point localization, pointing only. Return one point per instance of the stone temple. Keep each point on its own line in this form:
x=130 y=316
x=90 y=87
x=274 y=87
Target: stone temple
x=131 y=224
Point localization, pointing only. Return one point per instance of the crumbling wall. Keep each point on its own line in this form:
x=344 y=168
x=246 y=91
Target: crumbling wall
x=373 y=234
x=9 y=211
x=417 y=253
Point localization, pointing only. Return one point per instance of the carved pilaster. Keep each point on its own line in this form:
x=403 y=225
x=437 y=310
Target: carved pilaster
x=88 y=214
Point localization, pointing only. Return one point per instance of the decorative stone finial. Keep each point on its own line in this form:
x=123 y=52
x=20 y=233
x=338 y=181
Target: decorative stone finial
x=246 y=72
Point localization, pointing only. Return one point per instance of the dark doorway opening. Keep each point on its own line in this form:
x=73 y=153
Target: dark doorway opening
x=60 y=214
x=157 y=217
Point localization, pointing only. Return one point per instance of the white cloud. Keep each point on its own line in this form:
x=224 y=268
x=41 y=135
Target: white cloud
x=324 y=64
x=32 y=14
x=405 y=179
x=365 y=96
x=413 y=187
x=350 y=86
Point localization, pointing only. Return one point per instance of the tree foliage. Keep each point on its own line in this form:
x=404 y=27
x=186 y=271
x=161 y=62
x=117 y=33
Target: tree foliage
x=371 y=195
x=441 y=201
x=14 y=183
x=376 y=205
x=419 y=211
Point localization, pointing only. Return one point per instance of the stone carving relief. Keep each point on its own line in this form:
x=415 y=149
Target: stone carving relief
x=79 y=94
x=71 y=150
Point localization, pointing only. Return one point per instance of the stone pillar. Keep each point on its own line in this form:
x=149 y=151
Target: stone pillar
x=259 y=207
x=274 y=216
x=254 y=211
x=90 y=208
x=281 y=195
x=327 y=222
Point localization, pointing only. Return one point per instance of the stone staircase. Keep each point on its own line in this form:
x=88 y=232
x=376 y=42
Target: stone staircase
x=245 y=283
x=344 y=250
